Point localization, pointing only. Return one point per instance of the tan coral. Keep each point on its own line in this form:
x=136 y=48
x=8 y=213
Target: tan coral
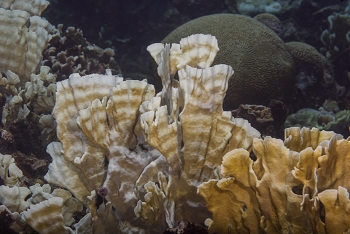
x=290 y=188
x=193 y=141
x=121 y=110
x=163 y=135
x=154 y=206
x=96 y=117
x=102 y=218
x=14 y=109
x=274 y=186
x=238 y=212
x=337 y=206
x=46 y=217
x=197 y=50
x=299 y=139
x=203 y=95
x=39 y=193
x=188 y=52
x=267 y=181
x=74 y=95
x=242 y=135
x=334 y=164
x=47 y=125
x=70 y=205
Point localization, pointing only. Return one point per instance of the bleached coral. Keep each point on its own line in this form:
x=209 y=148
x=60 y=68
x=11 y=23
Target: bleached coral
x=10 y=81
x=21 y=54
x=9 y=172
x=40 y=93
x=34 y=7
x=14 y=198
x=41 y=90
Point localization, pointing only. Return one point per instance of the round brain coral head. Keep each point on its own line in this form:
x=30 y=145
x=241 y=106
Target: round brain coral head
x=264 y=68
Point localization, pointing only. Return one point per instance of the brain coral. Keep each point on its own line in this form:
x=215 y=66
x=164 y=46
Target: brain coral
x=264 y=66
x=264 y=69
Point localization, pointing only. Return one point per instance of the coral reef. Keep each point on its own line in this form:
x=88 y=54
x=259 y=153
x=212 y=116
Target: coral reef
x=125 y=159
x=108 y=127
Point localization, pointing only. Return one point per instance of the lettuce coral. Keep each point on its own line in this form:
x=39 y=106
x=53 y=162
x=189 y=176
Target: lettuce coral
x=107 y=128
x=286 y=189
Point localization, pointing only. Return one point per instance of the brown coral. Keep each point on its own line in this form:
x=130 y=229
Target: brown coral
x=264 y=69
x=69 y=52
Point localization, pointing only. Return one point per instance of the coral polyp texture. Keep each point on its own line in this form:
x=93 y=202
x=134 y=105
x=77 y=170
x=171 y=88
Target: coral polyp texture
x=265 y=67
